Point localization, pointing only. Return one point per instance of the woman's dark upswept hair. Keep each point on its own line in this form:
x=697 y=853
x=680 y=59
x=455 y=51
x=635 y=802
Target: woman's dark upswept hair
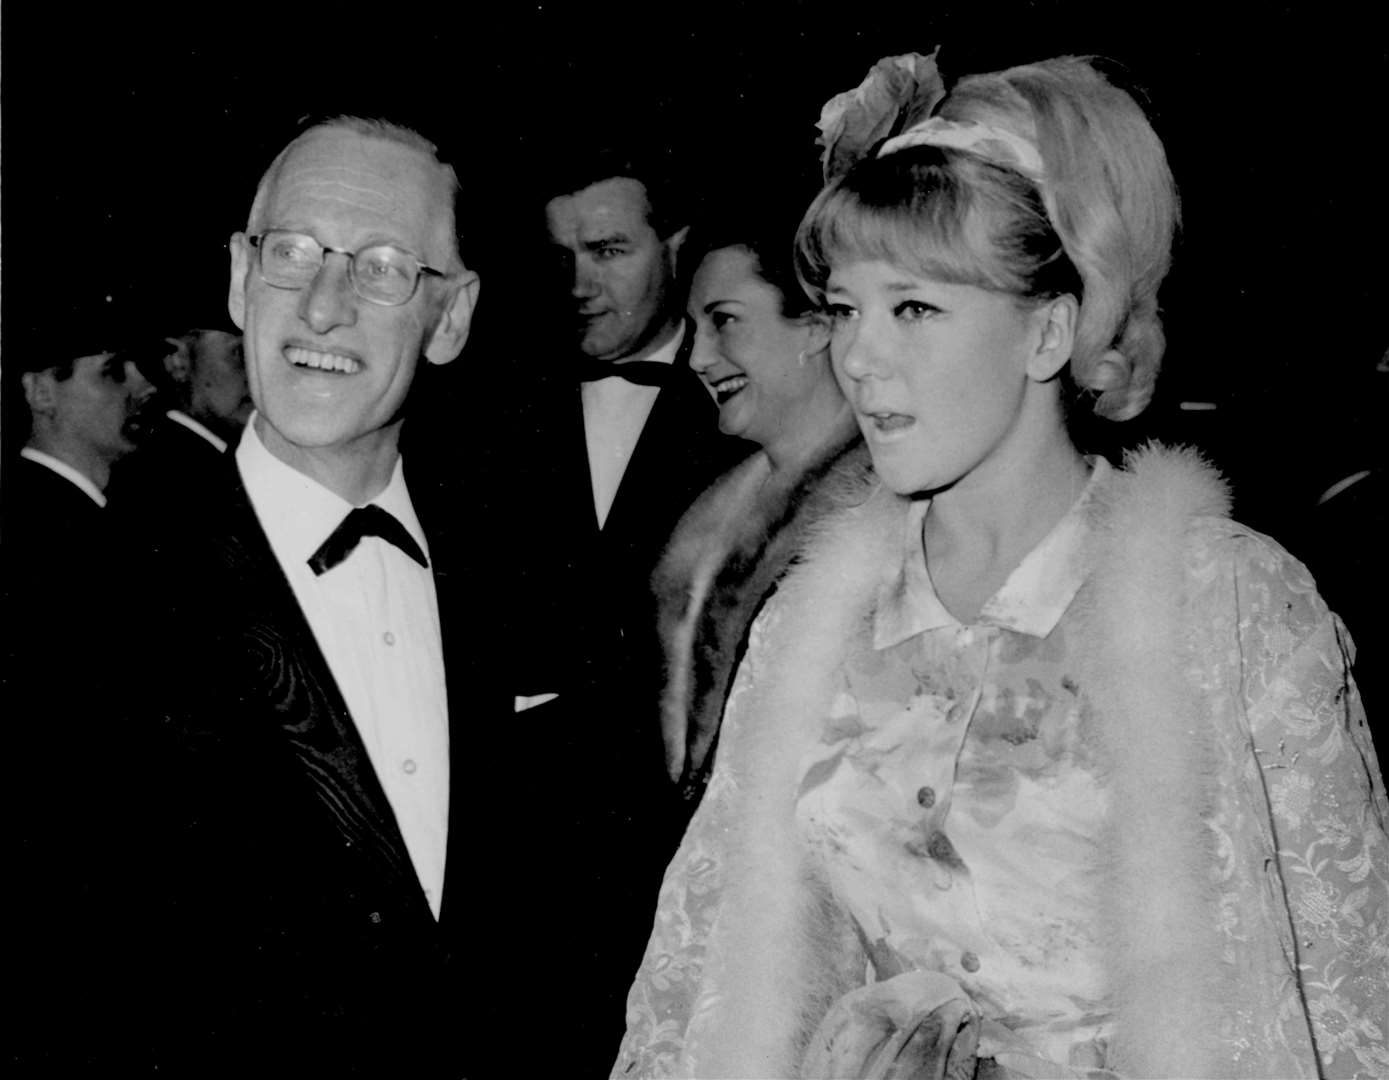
x=1099 y=227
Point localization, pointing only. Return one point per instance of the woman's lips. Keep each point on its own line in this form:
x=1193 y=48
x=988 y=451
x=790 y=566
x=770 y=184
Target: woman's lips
x=727 y=388
x=888 y=423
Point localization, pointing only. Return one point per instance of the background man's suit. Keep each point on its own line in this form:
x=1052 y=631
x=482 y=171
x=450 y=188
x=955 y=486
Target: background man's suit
x=64 y=615
x=172 y=461
x=583 y=626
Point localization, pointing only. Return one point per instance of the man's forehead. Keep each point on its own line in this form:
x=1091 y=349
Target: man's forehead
x=616 y=205
x=373 y=179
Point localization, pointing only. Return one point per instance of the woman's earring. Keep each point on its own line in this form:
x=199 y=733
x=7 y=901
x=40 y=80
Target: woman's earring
x=800 y=358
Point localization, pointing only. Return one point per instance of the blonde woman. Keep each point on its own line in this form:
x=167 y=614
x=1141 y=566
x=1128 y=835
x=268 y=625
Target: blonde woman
x=1035 y=766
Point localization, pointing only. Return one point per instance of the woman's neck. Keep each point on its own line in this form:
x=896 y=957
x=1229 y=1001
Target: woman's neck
x=977 y=532
x=826 y=421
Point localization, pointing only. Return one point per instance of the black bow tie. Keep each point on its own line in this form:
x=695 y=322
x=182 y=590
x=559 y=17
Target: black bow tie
x=641 y=372
x=368 y=520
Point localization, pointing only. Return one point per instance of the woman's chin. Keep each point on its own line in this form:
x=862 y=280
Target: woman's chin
x=735 y=417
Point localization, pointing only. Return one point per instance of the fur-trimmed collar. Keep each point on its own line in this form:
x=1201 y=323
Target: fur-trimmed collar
x=775 y=955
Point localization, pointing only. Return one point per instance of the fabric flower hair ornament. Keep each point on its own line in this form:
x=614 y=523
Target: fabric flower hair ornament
x=899 y=92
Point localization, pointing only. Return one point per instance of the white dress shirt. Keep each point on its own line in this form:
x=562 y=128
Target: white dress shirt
x=615 y=412
x=67 y=472
x=376 y=618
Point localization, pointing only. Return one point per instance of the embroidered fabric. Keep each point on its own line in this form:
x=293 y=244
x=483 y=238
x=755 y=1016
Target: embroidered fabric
x=1302 y=874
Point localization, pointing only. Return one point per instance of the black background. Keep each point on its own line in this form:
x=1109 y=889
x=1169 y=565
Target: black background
x=133 y=140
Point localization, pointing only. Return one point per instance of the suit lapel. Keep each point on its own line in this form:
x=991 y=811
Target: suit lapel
x=288 y=672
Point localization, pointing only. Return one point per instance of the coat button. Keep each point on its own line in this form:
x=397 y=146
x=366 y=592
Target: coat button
x=926 y=797
x=969 y=961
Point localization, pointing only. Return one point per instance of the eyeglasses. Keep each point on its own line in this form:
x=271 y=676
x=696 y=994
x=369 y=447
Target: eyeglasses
x=380 y=273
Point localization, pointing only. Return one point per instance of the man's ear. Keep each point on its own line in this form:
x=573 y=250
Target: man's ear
x=1053 y=350
x=451 y=331
x=38 y=391
x=178 y=365
x=673 y=244
x=240 y=266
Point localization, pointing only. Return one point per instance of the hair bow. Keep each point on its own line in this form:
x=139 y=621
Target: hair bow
x=899 y=92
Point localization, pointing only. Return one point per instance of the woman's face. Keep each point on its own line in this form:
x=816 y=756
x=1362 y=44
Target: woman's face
x=936 y=373
x=760 y=366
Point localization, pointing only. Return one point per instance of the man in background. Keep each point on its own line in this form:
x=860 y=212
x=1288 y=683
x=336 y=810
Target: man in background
x=201 y=382
x=615 y=439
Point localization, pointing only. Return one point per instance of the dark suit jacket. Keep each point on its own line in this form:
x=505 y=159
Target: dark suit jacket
x=289 y=930
x=582 y=624
x=65 y=614
x=171 y=461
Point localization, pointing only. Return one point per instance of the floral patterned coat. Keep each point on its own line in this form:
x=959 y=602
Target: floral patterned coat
x=1243 y=899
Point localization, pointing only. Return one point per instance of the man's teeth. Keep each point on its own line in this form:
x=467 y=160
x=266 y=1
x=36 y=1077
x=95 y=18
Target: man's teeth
x=322 y=361
x=726 y=388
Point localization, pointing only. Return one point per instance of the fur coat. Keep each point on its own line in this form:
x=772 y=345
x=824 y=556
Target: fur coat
x=1203 y=695
x=723 y=560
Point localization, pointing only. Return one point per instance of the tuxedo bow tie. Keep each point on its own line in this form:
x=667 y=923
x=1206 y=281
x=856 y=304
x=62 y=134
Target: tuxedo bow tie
x=641 y=372
x=367 y=520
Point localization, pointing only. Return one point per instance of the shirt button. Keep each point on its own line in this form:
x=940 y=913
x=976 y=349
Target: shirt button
x=926 y=797
x=939 y=847
x=969 y=961
x=409 y=765
x=388 y=638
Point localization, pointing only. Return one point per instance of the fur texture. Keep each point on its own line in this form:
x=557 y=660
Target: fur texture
x=779 y=918
x=777 y=953
x=724 y=559
x=1160 y=911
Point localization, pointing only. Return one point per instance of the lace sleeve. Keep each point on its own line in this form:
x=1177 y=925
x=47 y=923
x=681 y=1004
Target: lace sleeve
x=1329 y=813
x=669 y=982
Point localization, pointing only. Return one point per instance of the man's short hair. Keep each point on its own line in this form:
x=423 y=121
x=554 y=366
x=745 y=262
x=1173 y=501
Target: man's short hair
x=370 y=128
x=655 y=168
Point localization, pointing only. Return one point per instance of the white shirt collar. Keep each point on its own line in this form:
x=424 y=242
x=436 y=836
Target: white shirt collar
x=63 y=469
x=666 y=354
x=180 y=417
x=297 y=512
x=1032 y=600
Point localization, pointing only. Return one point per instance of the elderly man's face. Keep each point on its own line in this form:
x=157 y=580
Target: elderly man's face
x=623 y=273
x=327 y=369
x=220 y=391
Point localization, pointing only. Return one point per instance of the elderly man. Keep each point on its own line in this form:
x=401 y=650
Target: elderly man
x=617 y=439
x=317 y=707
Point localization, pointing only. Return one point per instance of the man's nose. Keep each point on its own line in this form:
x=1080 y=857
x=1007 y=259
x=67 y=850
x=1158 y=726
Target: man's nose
x=585 y=285
x=328 y=300
x=137 y=386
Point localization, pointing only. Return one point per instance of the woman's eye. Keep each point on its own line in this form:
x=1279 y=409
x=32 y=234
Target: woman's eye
x=720 y=319
x=839 y=313
x=915 y=310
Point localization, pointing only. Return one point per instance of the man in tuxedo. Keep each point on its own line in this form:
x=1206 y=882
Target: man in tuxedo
x=617 y=439
x=201 y=381
x=312 y=853
x=67 y=592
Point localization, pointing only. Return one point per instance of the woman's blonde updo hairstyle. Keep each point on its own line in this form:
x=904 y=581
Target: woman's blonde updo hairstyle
x=1098 y=225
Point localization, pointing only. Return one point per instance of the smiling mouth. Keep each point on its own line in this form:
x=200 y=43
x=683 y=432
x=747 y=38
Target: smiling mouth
x=727 y=388
x=322 y=361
